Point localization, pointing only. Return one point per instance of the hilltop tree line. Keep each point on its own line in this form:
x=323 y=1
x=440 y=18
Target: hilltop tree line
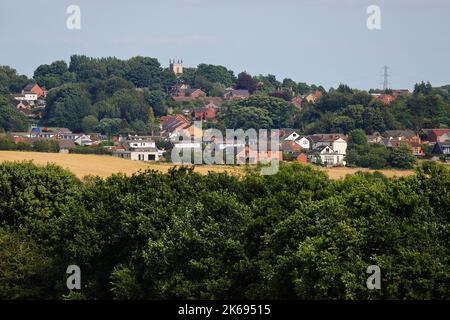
x=111 y=95
x=181 y=235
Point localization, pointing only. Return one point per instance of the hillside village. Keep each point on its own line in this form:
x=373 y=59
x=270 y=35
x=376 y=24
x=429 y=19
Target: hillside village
x=189 y=104
x=214 y=159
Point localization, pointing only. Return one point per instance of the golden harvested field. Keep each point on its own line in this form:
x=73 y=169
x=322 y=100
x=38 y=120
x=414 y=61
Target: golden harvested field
x=338 y=173
x=82 y=165
x=104 y=166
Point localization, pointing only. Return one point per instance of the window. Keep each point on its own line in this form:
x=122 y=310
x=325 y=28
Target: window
x=151 y=157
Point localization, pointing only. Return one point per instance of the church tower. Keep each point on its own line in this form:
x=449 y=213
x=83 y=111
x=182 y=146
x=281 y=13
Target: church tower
x=176 y=66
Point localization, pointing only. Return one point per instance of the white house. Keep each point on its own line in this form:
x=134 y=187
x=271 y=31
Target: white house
x=138 y=148
x=330 y=148
x=327 y=156
x=83 y=140
x=340 y=146
x=145 y=155
x=335 y=140
x=137 y=155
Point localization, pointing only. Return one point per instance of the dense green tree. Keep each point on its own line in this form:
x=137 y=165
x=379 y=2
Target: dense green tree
x=423 y=88
x=303 y=88
x=333 y=101
x=214 y=74
x=157 y=100
x=181 y=235
x=342 y=124
x=10 y=118
x=217 y=90
x=402 y=157
x=144 y=72
x=290 y=85
x=109 y=126
x=23 y=267
x=279 y=112
x=284 y=94
x=11 y=81
x=343 y=88
x=67 y=106
x=188 y=76
x=246 y=81
x=374 y=156
x=131 y=104
x=203 y=83
x=362 y=154
x=104 y=89
x=268 y=84
x=89 y=123
x=243 y=117
x=53 y=75
x=139 y=127
x=87 y=69
x=46 y=146
x=357 y=137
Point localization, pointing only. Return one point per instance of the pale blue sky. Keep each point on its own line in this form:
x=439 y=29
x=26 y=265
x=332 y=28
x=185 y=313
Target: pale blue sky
x=315 y=41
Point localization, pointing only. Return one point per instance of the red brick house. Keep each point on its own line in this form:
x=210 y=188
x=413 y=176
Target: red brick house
x=208 y=112
x=415 y=146
x=402 y=135
x=35 y=89
x=172 y=124
x=290 y=146
x=166 y=119
x=436 y=135
x=195 y=93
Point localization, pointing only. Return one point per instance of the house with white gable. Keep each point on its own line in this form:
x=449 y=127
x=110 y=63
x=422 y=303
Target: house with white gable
x=303 y=142
x=84 y=140
x=327 y=156
x=293 y=135
x=289 y=134
x=328 y=149
x=340 y=146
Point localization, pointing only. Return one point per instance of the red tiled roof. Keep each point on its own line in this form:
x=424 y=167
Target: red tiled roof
x=439 y=132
